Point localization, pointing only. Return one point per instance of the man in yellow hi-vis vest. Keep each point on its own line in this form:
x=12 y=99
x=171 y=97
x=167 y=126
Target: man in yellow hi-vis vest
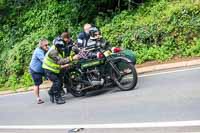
x=56 y=59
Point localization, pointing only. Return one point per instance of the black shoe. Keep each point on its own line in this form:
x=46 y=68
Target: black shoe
x=63 y=98
x=51 y=95
x=62 y=93
x=59 y=100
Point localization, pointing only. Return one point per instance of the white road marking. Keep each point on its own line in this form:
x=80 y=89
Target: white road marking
x=142 y=75
x=168 y=72
x=193 y=123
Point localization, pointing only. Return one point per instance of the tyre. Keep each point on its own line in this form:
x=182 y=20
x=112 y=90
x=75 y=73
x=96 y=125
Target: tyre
x=124 y=75
x=76 y=92
x=73 y=86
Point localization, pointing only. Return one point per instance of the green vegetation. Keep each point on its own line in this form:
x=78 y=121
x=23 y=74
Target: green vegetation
x=155 y=30
x=158 y=31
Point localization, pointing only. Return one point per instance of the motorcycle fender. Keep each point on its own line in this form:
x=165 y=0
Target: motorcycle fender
x=122 y=58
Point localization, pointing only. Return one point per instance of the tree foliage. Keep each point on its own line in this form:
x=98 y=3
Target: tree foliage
x=158 y=31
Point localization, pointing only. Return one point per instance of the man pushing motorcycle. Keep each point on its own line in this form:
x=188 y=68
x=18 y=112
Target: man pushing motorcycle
x=58 y=58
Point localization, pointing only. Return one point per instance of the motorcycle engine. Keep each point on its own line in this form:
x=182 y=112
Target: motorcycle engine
x=94 y=77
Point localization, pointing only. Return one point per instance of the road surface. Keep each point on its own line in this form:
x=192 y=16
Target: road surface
x=172 y=95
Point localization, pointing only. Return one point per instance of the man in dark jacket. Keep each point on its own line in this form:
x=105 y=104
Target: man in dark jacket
x=84 y=36
x=95 y=40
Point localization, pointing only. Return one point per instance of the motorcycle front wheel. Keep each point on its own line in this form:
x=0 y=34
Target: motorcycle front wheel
x=124 y=75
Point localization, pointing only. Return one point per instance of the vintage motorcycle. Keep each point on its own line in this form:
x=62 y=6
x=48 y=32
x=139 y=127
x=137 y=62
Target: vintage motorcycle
x=111 y=67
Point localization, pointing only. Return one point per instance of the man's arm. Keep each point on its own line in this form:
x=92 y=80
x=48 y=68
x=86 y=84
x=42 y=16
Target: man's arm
x=40 y=55
x=59 y=60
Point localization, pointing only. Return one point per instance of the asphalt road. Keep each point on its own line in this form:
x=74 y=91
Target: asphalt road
x=158 y=97
x=115 y=130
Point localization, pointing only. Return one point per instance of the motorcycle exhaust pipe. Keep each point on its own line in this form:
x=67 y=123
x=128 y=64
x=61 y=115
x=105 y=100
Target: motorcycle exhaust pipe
x=86 y=88
x=94 y=83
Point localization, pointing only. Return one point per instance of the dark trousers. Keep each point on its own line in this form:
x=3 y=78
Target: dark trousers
x=57 y=80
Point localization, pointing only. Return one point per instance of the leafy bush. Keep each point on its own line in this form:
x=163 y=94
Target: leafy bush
x=157 y=31
x=20 y=38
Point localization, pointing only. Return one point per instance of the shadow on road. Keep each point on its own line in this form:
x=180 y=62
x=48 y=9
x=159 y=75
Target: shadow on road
x=98 y=92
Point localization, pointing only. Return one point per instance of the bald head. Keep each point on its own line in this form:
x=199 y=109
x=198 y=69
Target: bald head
x=87 y=27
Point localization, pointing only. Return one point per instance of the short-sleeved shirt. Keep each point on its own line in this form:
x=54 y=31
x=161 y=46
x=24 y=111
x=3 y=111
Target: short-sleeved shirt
x=37 y=60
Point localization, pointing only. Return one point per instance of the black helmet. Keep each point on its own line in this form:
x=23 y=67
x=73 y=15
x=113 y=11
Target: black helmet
x=92 y=31
x=59 y=43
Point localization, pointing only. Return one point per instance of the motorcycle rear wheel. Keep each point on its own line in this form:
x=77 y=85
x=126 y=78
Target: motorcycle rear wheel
x=73 y=86
x=77 y=93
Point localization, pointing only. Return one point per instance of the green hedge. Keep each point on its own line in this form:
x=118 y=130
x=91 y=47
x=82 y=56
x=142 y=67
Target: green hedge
x=20 y=35
x=158 y=31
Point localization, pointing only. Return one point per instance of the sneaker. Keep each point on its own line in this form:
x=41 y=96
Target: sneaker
x=40 y=101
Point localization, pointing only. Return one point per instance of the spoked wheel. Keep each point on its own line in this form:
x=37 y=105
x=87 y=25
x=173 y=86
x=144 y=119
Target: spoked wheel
x=124 y=75
x=76 y=91
x=74 y=87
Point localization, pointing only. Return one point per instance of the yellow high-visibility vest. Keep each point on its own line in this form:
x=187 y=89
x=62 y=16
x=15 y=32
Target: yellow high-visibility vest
x=50 y=64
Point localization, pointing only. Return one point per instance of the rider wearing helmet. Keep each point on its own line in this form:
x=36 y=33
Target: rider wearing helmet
x=55 y=60
x=94 y=42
